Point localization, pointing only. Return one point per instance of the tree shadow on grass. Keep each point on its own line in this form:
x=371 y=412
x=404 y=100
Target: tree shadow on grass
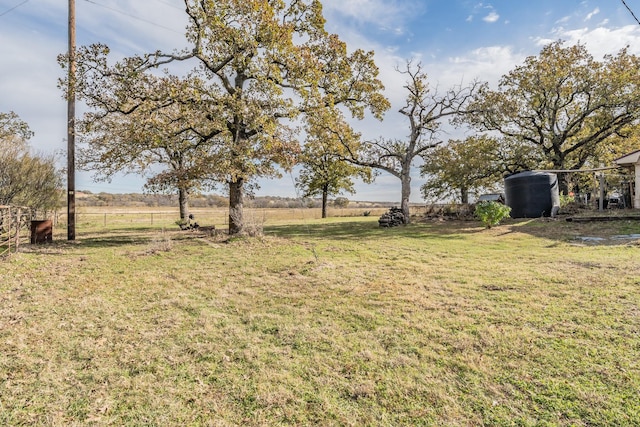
x=558 y=230
x=616 y=233
x=96 y=239
x=366 y=229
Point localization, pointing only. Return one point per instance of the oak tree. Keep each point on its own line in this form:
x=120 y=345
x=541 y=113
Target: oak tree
x=324 y=173
x=425 y=109
x=460 y=167
x=563 y=104
x=13 y=129
x=153 y=135
x=473 y=165
x=258 y=66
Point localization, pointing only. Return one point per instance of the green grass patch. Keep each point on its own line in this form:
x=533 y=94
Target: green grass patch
x=335 y=322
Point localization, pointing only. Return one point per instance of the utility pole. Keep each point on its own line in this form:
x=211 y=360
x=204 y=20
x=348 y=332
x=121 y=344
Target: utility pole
x=71 y=126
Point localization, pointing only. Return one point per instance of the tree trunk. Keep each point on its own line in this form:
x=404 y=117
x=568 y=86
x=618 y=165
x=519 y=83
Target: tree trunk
x=236 y=204
x=464 y=196
x=406 y=194
x=325 y=196
x=183 y=202
x=563 y=183
x=563 y=178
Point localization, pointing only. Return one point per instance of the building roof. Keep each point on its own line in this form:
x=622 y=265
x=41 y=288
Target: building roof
x=629 y=159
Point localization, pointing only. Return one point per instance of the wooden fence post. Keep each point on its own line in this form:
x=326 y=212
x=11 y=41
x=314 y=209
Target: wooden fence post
x=9 y=231
x=18 y=220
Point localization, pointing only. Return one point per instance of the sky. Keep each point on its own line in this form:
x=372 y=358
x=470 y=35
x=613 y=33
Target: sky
x=456 y=41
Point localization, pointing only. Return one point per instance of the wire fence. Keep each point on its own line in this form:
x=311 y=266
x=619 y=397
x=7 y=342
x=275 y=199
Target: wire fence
x=16 y=224
x=219 y=217
x=14 y=228
x=123 y=217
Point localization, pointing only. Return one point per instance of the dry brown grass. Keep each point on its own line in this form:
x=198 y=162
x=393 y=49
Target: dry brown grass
x=325 y=323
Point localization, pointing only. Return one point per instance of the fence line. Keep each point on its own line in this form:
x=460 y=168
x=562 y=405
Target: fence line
x=100 y=217
x=205 y=216
x=14 y=221
x=14 y=226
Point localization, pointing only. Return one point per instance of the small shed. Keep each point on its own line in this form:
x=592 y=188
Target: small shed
x=632 y=160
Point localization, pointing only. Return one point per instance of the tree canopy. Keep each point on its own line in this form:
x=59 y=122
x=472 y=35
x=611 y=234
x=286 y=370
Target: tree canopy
x=562 y=106
x=325 y=174
x=26 y=179
x=455 y=169
x=13 y=129
x=425 y=109
x=324 y=171
x=258 y=67
x=154 y=136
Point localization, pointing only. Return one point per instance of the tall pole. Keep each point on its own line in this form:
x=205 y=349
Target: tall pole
x=71 y=126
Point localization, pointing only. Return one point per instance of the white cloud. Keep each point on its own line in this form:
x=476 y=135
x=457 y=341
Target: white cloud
x=592 y=14
x=383 y=14
x=491 y=17
x=485 y=63
x=364 y=9
x=599 y=41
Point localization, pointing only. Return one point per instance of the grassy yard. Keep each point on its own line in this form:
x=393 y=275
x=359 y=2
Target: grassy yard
x=334 y=322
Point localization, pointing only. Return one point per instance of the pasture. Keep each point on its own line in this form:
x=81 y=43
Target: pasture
x=324 y=322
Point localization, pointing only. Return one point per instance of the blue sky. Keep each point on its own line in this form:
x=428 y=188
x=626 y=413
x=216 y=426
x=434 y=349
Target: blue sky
x=456 y=40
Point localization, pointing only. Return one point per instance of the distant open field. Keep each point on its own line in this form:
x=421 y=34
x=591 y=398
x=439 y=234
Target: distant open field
x=106 y=216
x=331 y=322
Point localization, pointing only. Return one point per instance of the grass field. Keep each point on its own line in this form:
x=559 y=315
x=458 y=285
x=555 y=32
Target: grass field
x=92 y=218
x=333 y=322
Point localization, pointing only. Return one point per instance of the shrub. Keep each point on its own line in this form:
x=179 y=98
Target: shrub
x=341 y=202
x=566 y=199
x=491 y=213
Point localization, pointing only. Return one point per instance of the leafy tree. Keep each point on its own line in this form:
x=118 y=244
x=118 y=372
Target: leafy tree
x=563 y=104
x=324 y=172
x=425 y=109
x=617 y=146
x=474 y=165
x=461 y=167
x=157 y=133
x=26 y=179
x=13 y=129
x=258 y=65
x=341 y=202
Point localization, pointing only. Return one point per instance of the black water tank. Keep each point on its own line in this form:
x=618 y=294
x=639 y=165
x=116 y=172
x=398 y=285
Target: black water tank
x=532 y=194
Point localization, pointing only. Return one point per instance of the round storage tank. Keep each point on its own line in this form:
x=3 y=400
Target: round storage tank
x=532 y=194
